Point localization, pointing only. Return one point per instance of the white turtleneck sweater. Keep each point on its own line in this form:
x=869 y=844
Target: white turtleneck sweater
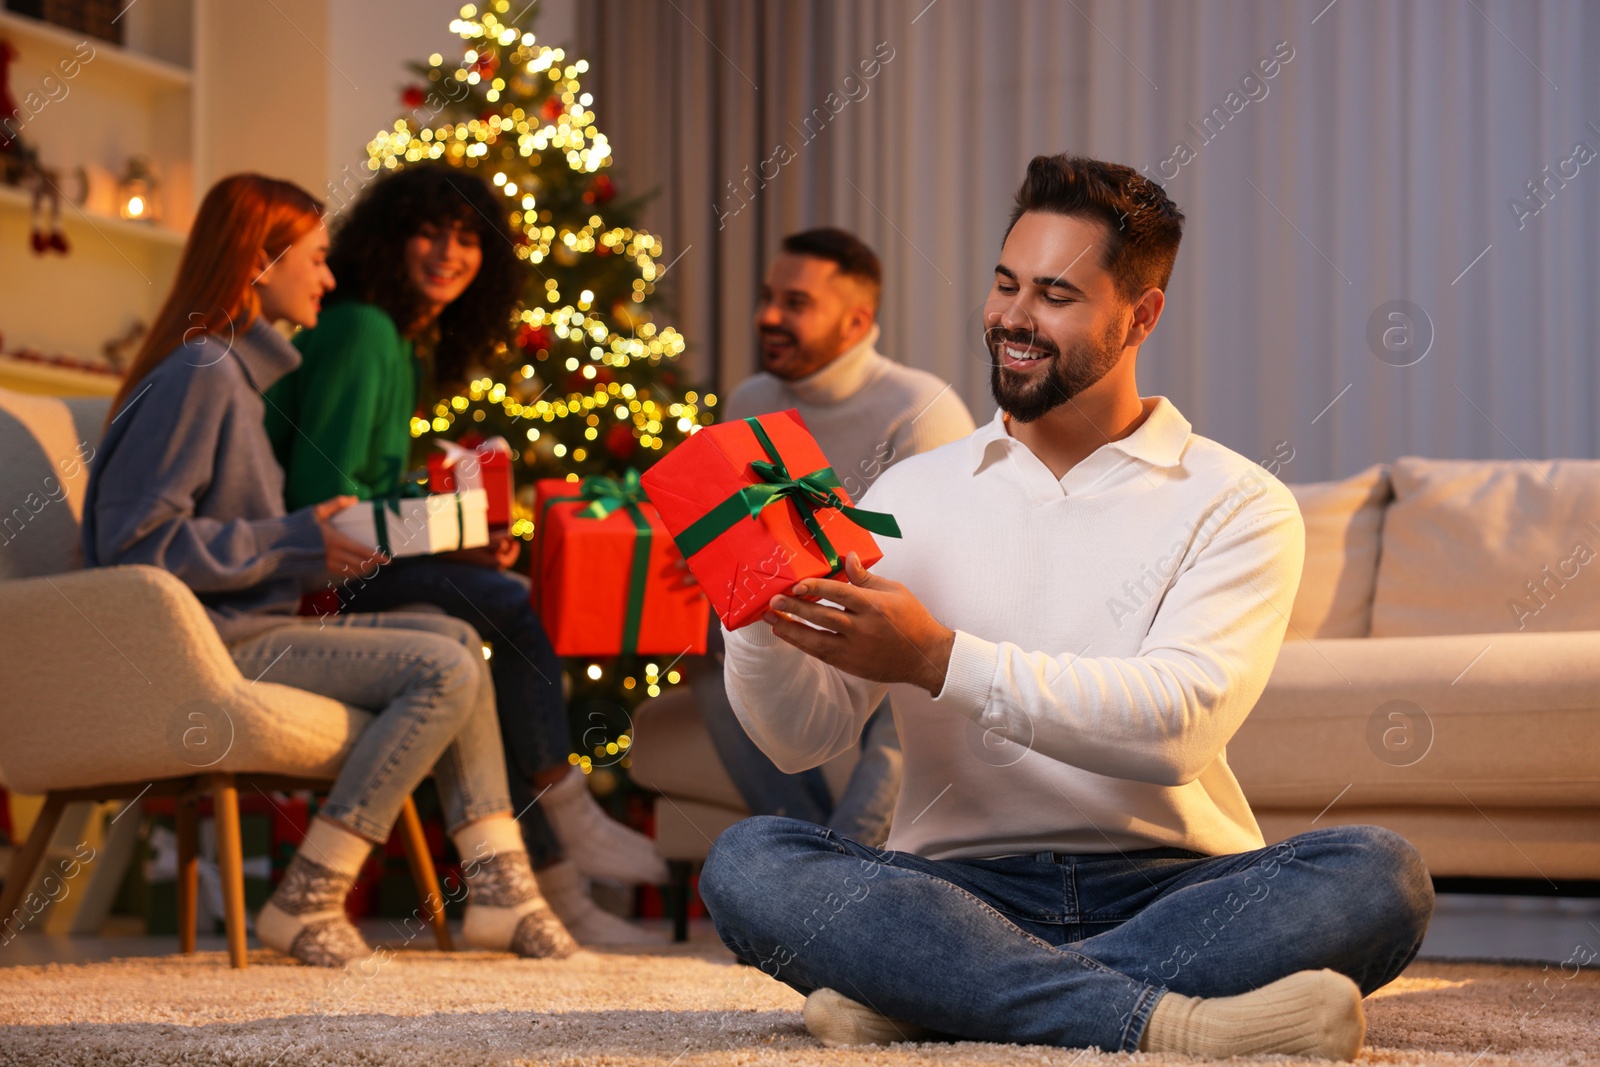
x=1113 y=629
x=866 y=411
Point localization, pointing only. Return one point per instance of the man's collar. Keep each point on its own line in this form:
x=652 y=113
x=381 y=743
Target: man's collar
x=1159 y=440
x=840 y=378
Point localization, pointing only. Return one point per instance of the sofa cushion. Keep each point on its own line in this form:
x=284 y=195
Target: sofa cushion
x=1498 y=721
x=1343 y=522
x=1489 y=547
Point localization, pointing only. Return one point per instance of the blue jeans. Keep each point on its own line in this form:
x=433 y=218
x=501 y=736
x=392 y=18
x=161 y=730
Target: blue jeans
x=1067 y=950
x=862 y=812
x=525 y=667
x=423 y=678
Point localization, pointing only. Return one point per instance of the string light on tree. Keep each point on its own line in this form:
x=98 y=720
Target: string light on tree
x=586 y=381
x=584 y=341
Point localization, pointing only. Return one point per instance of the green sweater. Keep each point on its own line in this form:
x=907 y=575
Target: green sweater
x=341 y=424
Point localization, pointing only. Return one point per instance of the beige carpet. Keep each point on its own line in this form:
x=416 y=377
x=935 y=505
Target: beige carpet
x=677 y=1007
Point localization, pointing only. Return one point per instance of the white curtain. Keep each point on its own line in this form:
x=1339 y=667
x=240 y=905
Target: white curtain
x=1382 y=170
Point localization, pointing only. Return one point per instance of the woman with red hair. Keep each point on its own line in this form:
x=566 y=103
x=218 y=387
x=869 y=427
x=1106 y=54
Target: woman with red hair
x=185 y=479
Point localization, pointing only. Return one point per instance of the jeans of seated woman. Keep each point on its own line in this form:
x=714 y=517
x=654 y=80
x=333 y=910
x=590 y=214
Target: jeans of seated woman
x=424 y=679
x=525 y=667
x=862 y=812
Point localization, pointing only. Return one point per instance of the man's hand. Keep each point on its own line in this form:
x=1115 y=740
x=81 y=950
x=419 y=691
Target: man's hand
x=346 y=555
x=879 y=632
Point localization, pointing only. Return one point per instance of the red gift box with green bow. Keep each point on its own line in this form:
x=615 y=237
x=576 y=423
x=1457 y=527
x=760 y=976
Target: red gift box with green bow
x=607 y=578
x=754 y=507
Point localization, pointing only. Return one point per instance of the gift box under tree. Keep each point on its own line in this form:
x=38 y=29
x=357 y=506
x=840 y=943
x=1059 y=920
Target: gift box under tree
x=754 y=508
x=608 y=579
x=488 y=467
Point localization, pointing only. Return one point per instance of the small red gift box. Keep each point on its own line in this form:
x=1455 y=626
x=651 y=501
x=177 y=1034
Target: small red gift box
x=488 y=467
x=755 y=508
x=607 y=578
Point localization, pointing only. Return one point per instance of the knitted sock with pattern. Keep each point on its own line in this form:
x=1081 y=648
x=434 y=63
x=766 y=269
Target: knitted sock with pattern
x=305 y=916
x=505 y=910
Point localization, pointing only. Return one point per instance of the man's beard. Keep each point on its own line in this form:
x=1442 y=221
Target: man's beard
x=804 y=360
x=1026 y=397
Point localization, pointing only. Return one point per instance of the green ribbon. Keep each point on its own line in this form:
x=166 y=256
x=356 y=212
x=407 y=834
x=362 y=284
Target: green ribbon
x=606 y=495
x=808 y=493
x=380 y=523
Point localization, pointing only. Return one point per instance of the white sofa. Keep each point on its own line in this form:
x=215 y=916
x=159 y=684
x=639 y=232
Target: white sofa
x=1441 y=675
x=1405 y=694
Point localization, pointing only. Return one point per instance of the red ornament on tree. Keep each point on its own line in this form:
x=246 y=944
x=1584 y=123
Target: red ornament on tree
x=553 y=108
x=600 y=191
x=620 y=441
x=532 y=338
x=413 y=96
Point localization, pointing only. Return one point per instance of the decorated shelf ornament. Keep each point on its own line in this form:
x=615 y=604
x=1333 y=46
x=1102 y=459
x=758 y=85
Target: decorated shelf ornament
x=44 y=229
x=137 y=199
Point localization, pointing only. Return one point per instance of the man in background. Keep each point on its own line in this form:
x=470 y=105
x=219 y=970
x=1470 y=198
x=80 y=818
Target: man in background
x=817 y=324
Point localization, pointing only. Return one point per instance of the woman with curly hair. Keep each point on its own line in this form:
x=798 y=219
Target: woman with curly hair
x=428 y=278
x=185 y=480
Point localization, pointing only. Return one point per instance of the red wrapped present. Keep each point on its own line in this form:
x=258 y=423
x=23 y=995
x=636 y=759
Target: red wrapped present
x=754 y=507
x=607 y=579
x=487 y=467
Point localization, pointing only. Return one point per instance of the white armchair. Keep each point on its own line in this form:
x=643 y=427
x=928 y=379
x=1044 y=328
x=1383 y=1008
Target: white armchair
x=116 y=684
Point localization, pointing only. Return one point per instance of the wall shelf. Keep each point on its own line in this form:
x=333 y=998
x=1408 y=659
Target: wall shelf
x=76 y=218
x=154 y=73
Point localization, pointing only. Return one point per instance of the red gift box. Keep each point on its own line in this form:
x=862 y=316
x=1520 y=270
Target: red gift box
x=488 y=467
x=592 y=576
x=746 y=501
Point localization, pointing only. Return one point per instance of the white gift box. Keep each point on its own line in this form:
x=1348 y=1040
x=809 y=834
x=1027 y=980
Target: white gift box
x=419 y=526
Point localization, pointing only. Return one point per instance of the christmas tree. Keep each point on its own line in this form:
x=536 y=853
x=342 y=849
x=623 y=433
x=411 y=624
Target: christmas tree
x=587 y=381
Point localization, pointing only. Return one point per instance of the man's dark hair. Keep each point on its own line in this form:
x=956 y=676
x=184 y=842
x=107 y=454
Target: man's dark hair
x=1143 y=225
x=368 y=259
x=843 y=249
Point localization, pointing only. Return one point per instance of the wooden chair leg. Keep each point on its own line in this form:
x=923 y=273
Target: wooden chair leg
x=423 y=873
x=678 y=872
x=230 y=863
x=188 y=872
x=25 y=864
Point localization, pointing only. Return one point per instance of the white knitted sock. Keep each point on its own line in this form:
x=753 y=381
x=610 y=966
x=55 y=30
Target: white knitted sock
x=601 y=846
x=564 y=888
x=505 y=911
x=305 y=916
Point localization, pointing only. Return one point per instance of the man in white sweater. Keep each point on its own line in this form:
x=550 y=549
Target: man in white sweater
x=817 y=324
x=1086 y=603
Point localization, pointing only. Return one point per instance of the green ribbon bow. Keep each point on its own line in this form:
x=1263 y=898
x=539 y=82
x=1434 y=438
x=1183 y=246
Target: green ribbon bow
x=606 y=495
x=808 y=493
